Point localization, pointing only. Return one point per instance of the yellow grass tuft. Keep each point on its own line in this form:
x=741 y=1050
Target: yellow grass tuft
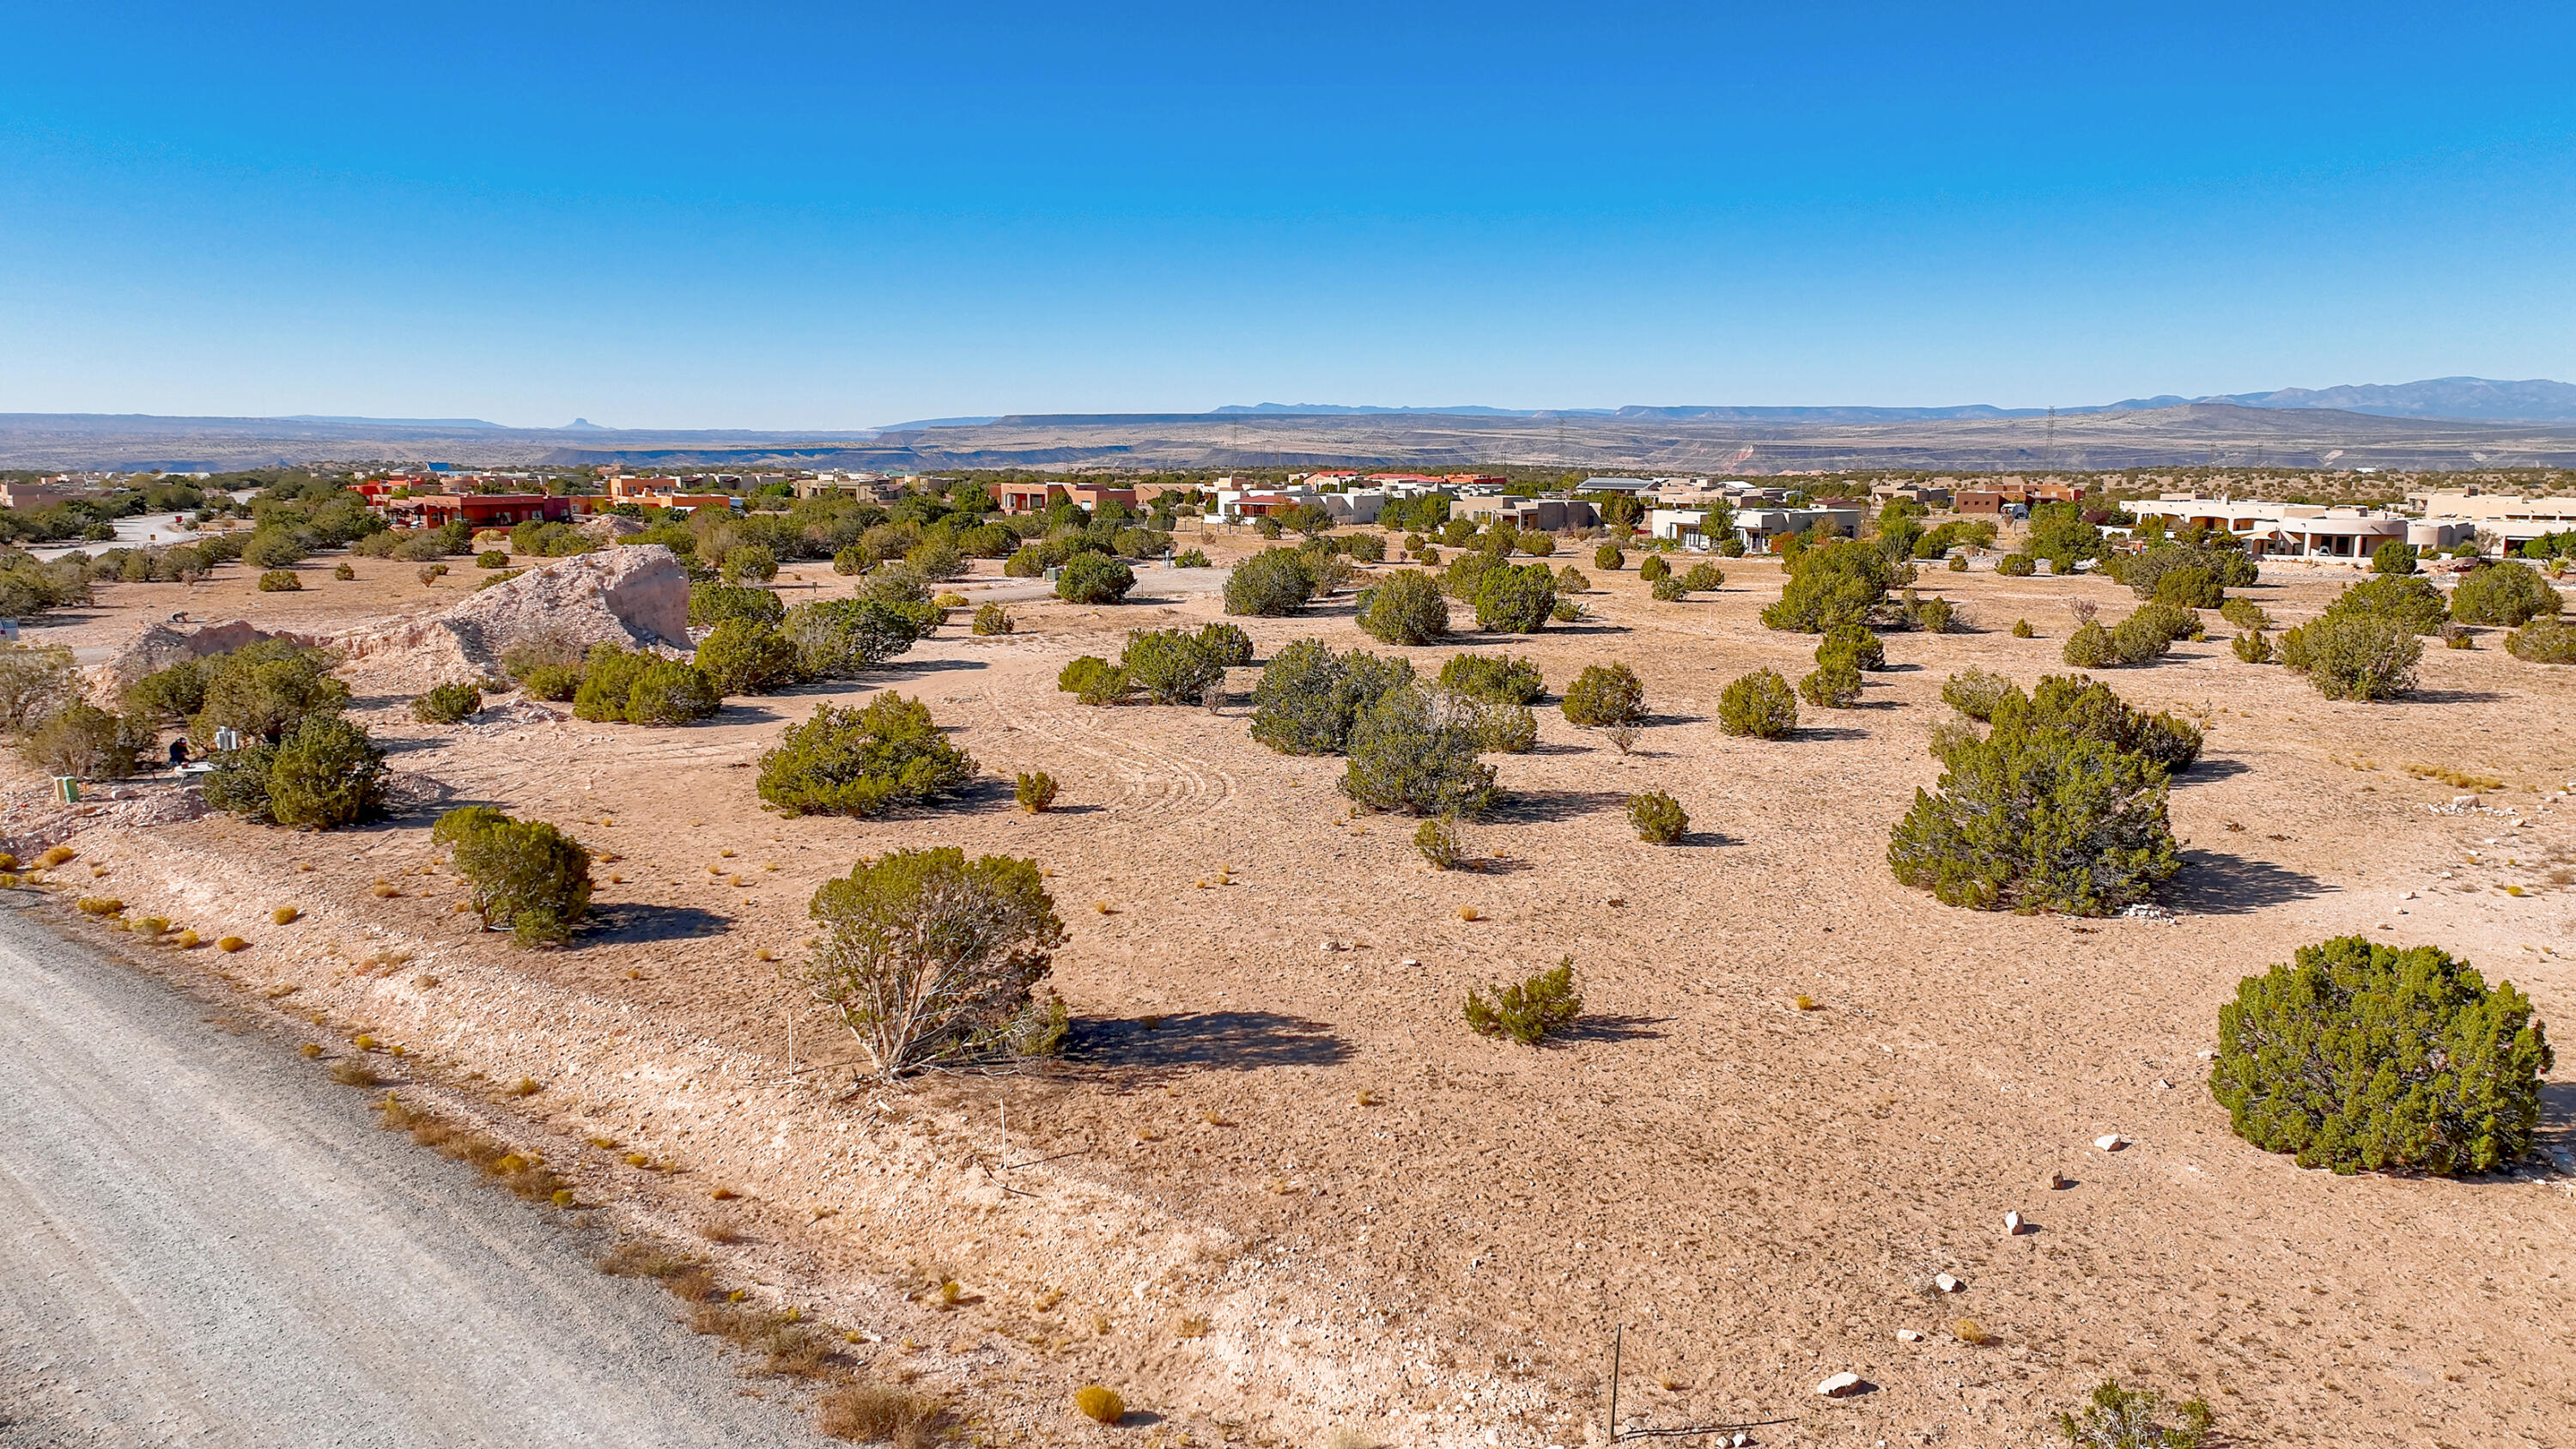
x=524 y=1087
x=1468 y=913
x=353 y=1072
x=1099 y=1405
x=230 y=944
x=59 y=855
x=310 y=1049
x=148 y=925
x=100 y=906
x=385 y=890
x=285 y=915
x=1806 y=1003
x=1367 y=1098
x=1970 y=1331
x=724 y=1194
x=1104 y=908
x=187 y=940
x=725 y=854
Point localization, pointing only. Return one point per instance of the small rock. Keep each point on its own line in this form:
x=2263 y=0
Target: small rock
x=1839 y=1385
x=2410 y=895
x=1907 y=1335
x=2012 y=1225
x=1409 y=961
x=1741 y=1439
x=2205 y=1053
x=2111 y=1142
x=1946 y=1283
x=2162 y=1085
x=2055 y=1181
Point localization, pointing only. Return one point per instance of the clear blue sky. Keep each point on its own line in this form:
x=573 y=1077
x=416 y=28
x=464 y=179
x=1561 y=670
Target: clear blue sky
x=781 y=216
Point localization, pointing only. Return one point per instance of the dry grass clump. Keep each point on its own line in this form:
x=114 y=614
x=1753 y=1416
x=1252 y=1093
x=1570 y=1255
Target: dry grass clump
x=149 y=925
x=59 y=855
x=524 y=1087
x=1468 y=913
x=2456 y=779
x=230 y=944
x=310 y=1050
x=722 y=1232
x=385 y=889
x=1098 y=1404
x=636 y=1259
x=1191 y=1326
x=354 y=1072
x=1970 y=1331
x=523 y=1173
x=99 y=906
x=868 y=1413
x=1806 y=1003
x=285 y=915
x=187 y=940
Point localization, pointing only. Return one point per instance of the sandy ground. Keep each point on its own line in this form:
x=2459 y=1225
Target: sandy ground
x=1197 y=1207
x=202 y=1242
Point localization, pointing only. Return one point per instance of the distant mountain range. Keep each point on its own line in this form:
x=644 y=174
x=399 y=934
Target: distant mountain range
x=2476 y=398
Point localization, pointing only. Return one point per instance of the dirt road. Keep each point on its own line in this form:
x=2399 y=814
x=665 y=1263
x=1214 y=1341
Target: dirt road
x=202 y=1241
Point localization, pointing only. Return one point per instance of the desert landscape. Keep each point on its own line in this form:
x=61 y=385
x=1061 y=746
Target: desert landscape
x=1276 y=1190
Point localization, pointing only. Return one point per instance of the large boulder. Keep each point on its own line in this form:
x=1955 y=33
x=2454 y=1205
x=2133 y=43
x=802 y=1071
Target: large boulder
x=635 y=596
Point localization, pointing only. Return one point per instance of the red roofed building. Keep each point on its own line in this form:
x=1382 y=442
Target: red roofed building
x=479 y=510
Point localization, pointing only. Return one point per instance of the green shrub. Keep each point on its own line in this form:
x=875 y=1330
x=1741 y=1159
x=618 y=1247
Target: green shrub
x=1508 y=729
x=263 y=689
x=2039 y=820
x=669 y=693
x=1416 y=752
x=1530 y=1012
x=1703 y=577
x=536 y=651
x=1309 y=697
x=325 y=772
x=1498 y=677
x=2253 y=648
x=1226 y=643
x=344 y=572
x=2396 y=556
x=1608 y=558
x=2506 y=593
x=2141 y=638
x=2189 y=587
x=281 y=581
x=1958 y=563
x=608 y=679
x=741 y=657
x=86 y=742
x=1831 y=686
x=938 y=558
x=1034 y=790
x=749 y=562
x=1368 y=547
x=555 y=683
x=1438 y=842
x=1604 y=695
x=274 y=548
x=992 y=619
x=492 y=559
x=36 y=681
x=1977 y=693
x=2084 y=707
x=2411 y=602
x=432 y=573
x=2543 y=641
x=842 y=638
x=1028 y=562
x=1170 y=665
x=2356 y=657
x=1666 y=589
x=1270 y=584
x=2016 y=566
x=1852 y=647
x=1759 y=705
x=2090 y=647
x=863 y=761
x=1657 y=818
x=447 y=704
x=927 y=958
x=2144 y=573
x=1093 y=680
x=526 y=875
x=2245 y=614
x=2121 y=1418
x=2357 y=1056
x=2021 y=629
x=712 y=604
x=1515 y=598
x=1570 y=580
x=495 y=580
x=1654 y=569
x=1094 y=578
x=1190 y=558
x=1404 y=608
x=1840 y=582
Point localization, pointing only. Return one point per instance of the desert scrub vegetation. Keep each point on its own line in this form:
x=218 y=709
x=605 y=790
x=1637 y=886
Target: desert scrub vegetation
x=991 y=620
x=2144 y=573
x=2357 y=1056
x=1098 y=1404
x=1976 y=692
x=635 y=686
x=1437 y=842
x=1093 y=680
x=1703 y=577
x=1405 y=607
x=2410 y=602
x=1515 y=598
x=711 y=604
x=2546 y=640
x=865 y=761
x=1497 y=677
x=446 y=704
x=524 y=1174
x=34 y=683
x=2079 y=706
x=1529 y=1011
x=2354 y=656
x=1657 y=818
x=281 y=581
x=1309 y=697
x=843 y=638
x=1759 y=705
x=1842 y=582
x=1034 y=790
x=2253 y=648
x=740 y=657
x=525 y=874
x=323 y=773
x=83 y=741
x=1604 y=695
x=1271 y=584
x=2506 y=593
x=1094 y=578
x=927 y=957
x=1171 y=666
x=1414 y=750
x=1608 y=558
x=2038 y=819
x=2118 y=1418
x=261 y=689
x=874 y=1413
x=1226 y=643
x=1831 y=685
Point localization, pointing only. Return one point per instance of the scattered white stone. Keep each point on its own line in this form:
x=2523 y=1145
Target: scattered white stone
x=2013 y=1225
x=2162 y=1085
x=1946 y=1283
x=1409 y=961
x=1839 y=1385
x=1907 y=1335
x=2205 y=1053
x=2111 y=1142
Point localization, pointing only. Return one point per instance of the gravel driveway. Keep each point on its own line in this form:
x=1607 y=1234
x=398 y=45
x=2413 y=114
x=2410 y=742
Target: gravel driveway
x=203 y=1241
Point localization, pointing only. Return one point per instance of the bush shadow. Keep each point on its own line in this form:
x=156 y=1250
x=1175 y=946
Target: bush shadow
x=2456 y=696
x=1591 y=1028
x=2215 y=883
x=906 y=668
x=1530 y=807
x=1239 y=1041
x=627 y=923
x=1828 y=732
x=2206 y=771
